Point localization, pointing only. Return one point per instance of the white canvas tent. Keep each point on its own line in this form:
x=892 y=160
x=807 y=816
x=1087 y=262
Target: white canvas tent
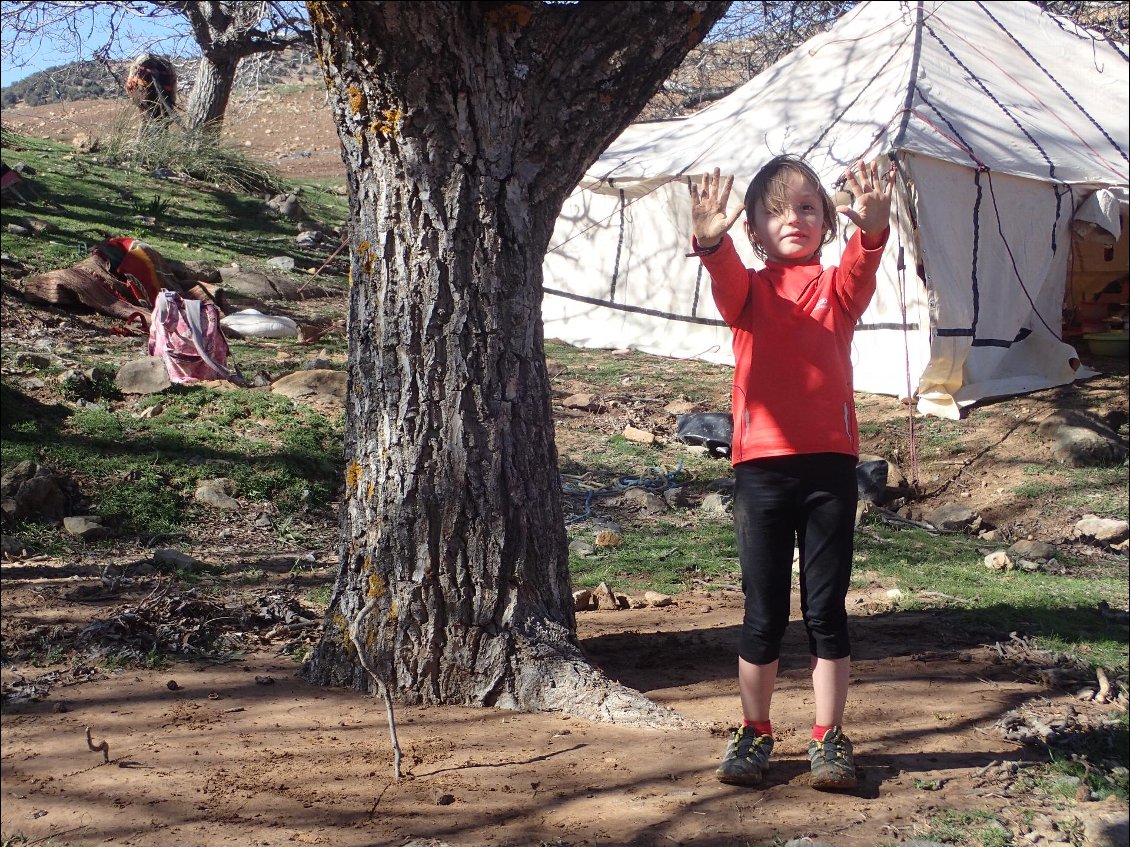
x=1003 y=121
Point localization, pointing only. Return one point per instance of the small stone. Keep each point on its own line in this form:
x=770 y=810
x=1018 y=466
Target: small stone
x=172 y=559
x=608 y=538
x=444 y=799
x=999 y=561
x=638 y=436
x=283 y=263
x=215 y=493
x=654 y=598
x=714 y=504
x=582 y=600
x=86 y=527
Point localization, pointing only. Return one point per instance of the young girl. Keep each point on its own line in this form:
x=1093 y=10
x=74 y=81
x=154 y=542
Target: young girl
x=795 y=443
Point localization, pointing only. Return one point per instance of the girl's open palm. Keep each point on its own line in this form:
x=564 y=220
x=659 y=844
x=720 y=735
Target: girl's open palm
x=709 y=218
x=871 y=211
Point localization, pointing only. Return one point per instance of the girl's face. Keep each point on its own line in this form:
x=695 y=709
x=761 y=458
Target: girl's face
x=793 y=233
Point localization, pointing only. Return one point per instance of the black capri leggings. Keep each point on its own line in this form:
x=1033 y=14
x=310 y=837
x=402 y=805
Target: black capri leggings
x=808 y=500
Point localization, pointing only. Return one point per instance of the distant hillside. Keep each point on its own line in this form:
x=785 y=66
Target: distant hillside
x=91 y=80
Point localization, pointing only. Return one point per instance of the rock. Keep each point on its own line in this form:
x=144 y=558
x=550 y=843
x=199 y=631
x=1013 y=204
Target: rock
x=676 y=498
x=12 y=549
x=31 y=491
x=953 y=517
x=999 y=561
x=582 y=600
x=679 y=407
x=321 y=362
x=623 y=601
x=202 y=271
x=1029 y=566
x=168 y=558
x=604 y=599
x=143 y=376
x=1082 y=440
x=314 y=386
x=579 y=401
x=638 y=436
x=283 y=263
x=807 y=842
x=580 y=548
x=654 y=598
x=1105 y=824
x=86 y=527
x=83 y=143
x=216 y=493
x=1038 y=551
x=37 y=361
x=644 y=501
x=1103 y=530
x=16 y=229
x=240 y=284
x=608 y=538
x=309 y=238
x=715 y=504
x=41 y=227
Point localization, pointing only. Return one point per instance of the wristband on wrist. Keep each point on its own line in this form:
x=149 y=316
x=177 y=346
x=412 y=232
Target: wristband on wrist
x=705 y=251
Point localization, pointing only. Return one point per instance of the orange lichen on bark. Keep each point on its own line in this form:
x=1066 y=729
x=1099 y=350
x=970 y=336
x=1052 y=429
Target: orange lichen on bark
x=376 y=587
x=510 y=16
x=356 y=99
x=388 y=123
x=352 y=474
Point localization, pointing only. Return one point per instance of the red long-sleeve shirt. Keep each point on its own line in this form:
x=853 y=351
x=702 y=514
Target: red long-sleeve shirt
x=793 y=326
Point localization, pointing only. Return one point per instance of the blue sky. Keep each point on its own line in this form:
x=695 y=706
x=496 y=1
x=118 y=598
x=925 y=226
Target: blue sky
x=58 y=43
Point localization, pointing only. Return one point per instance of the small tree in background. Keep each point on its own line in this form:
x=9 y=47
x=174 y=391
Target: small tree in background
x=222 y=33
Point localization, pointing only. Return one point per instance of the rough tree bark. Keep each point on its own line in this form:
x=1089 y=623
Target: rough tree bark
x=463 y=127
x=208 y=102
x=228 y=31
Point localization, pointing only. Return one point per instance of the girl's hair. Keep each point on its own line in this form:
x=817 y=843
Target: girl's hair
x=770 y=187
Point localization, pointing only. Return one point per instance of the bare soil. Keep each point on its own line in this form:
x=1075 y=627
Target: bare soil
x=244 y=752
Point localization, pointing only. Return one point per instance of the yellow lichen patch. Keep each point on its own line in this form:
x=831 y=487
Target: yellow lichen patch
x=389 y=122
x=392 y=613
x=376 y=587
x=510 y=16
x=356 y=99
x=352 y=474
x=342 y=626
x=369 y=492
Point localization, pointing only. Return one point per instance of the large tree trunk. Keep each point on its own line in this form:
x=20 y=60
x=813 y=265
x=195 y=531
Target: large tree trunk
x=208 y=102
x=463 y=126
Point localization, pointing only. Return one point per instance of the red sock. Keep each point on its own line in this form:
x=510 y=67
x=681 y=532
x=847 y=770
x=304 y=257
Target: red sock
x=818 y=731
x=760 y=727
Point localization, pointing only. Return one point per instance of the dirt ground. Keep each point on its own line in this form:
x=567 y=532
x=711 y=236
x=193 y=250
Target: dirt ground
x=244 y=752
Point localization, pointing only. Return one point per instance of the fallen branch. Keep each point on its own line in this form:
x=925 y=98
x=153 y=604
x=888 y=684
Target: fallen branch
x=354 y=629
x=102 y=747
x=1103 y=694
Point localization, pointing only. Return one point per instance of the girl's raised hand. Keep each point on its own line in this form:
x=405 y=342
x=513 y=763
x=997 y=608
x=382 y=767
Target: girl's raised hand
x=871 y=211
x=709 y=218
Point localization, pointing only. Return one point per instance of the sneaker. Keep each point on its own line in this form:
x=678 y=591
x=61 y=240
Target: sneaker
x=746 y=758
x=833 y=765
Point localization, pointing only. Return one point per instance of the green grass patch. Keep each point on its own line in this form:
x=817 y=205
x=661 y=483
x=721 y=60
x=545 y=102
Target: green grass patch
x=87 y=198
x=1061 y=611
x=969 y=829
x=141 y=473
